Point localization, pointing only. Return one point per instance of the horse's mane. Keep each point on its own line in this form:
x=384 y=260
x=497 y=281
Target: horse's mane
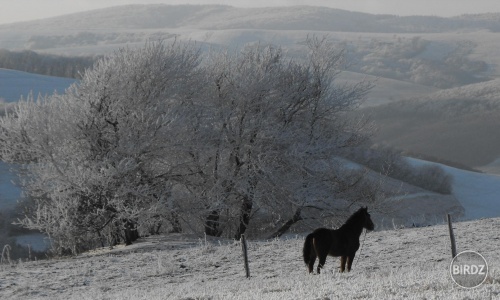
x=354 y=217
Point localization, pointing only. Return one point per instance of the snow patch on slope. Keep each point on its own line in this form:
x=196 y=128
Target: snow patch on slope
x=478 y=193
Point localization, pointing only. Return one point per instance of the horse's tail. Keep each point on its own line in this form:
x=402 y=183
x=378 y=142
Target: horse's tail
x=308 y=247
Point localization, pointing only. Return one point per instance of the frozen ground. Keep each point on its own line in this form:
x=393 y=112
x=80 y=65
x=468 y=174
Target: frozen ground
x=393 y=264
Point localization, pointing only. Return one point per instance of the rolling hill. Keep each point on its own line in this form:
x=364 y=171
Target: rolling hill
x=310 y=18
x=459 y=124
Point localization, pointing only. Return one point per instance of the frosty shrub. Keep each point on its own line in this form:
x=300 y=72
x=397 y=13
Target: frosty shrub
x=5 y=107
x=390 y=162
x=167 y=137
x=433 y=178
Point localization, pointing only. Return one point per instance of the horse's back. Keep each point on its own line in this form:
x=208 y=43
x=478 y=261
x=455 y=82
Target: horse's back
x=322 y=232
x=323 y=236
x=336 y=241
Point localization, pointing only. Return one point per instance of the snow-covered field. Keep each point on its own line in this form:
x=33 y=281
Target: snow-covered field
x=17 y=84
x=393 y=264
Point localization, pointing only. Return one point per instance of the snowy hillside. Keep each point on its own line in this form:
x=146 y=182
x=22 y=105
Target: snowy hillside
x=394 y=264
x=386 y=90
x=474 y=196
x=478 y=193
x=458 y=124
x=467 y=99
x=17 y=84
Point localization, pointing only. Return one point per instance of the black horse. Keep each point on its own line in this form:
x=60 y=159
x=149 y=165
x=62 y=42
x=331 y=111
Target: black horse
x=343 y=242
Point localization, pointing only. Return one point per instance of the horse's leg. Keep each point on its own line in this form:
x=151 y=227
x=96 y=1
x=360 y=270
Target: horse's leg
x=350 y=259
x=322 y=260
x=342 y=263
x=321 y=252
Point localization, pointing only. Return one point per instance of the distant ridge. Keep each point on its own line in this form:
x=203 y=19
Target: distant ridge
x=156 y=16
x=458 y=124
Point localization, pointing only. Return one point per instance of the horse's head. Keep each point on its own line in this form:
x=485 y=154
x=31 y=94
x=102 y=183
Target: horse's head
x=368 y=223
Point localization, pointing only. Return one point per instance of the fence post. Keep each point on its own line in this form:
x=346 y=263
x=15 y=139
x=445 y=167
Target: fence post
x=452 y=238
x=245 y=254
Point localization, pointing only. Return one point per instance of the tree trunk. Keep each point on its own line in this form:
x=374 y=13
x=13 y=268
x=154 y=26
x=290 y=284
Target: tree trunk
x=245 y=211
x=212 y=224
x=131 y=233
x=294 y=219
x=176 y=223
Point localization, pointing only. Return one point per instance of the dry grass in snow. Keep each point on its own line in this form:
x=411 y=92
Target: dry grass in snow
x=394 y=264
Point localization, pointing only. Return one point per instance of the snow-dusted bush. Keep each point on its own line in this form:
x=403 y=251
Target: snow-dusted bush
x=5 y=107
x=390 y=162
x=433 y=178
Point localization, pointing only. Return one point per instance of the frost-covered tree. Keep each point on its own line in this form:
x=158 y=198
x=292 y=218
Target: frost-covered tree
x=100 y=156
x=266 y=124
x=164 y=135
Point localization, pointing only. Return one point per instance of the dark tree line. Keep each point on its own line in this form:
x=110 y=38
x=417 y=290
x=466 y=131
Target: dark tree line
x=45 y=64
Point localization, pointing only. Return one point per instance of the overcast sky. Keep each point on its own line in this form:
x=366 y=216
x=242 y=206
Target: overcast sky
x=23 y=10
